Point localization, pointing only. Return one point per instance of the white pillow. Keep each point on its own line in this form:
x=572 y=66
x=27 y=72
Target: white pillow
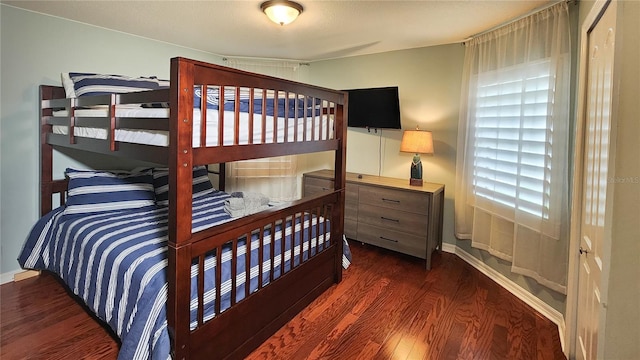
x=67 y=83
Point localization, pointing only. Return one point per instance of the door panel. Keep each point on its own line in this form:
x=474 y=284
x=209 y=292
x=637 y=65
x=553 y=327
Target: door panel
x=596 y=164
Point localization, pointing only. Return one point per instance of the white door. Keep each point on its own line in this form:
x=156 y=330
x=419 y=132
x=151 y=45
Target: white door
x=594 y=234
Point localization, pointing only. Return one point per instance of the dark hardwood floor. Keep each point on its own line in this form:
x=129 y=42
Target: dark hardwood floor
x=387 y=307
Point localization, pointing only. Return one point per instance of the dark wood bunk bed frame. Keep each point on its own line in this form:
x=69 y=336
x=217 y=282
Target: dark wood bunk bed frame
x=271 y=306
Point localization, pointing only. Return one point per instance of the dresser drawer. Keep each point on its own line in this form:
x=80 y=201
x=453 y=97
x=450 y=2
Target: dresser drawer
x=314 y=186
x=351 y=192
x=350 y=228
x=351 y=210
x=351 y=202
x=393 y=199
x=412 y=223
x=393 y=240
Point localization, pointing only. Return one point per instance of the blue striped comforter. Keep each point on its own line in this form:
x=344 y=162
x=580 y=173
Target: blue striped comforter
x=116 y=262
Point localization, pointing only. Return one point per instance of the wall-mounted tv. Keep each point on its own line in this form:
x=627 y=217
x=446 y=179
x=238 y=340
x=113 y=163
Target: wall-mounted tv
x=375 y=108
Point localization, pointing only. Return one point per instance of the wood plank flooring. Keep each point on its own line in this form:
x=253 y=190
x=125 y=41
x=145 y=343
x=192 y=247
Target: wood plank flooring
x=387 y=307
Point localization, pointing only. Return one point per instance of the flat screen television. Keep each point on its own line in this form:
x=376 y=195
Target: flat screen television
x=375 y=108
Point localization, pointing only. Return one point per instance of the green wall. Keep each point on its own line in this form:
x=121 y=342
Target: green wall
x=35 y=49
x=428 y=80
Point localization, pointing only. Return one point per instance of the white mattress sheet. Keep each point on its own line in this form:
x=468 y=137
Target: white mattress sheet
x=161 y=138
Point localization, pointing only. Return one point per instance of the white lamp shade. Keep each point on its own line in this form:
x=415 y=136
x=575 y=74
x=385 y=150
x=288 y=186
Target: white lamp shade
x=281 y=12
x=417 y=142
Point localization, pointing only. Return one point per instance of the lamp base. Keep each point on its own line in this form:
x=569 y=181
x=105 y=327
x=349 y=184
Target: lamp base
x=415 y=182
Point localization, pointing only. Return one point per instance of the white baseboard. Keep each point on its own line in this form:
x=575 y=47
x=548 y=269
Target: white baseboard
x=449 y=248
x=17 y=275
x=543 y=308
x=8 y=276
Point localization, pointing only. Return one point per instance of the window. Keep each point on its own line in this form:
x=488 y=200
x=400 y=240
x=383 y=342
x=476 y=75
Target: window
x=512 y=164
x=513 y=138
x=275 y=177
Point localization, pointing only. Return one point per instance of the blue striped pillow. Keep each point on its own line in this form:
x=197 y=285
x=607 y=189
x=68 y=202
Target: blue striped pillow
x=201 y=183
x=213 y=96
x=85 y=84
x=98 y=191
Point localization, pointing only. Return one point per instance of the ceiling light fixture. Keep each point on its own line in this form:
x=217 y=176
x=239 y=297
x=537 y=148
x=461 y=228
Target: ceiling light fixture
x=281 y=12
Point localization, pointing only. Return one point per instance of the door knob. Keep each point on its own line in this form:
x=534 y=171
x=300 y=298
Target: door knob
x=583 y=251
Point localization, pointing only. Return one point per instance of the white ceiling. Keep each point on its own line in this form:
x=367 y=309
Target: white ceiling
x=325 y=29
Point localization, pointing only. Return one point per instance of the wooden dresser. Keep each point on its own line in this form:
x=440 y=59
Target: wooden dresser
x=388 y=212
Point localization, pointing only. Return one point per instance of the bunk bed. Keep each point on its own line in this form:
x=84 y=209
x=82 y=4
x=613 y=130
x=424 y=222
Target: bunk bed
x=225 y=292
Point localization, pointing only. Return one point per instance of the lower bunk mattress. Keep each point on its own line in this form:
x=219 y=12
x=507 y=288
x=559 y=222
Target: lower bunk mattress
x=116 y=262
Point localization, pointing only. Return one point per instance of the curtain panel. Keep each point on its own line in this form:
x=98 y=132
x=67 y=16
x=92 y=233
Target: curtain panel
x=275 y=177
x=512 y=182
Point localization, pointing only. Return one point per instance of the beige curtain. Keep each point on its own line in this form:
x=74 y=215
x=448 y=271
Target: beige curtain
x=512 y=167
x=275 y=177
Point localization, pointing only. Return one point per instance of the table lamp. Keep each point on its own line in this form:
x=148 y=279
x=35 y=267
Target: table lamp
x=418 y=142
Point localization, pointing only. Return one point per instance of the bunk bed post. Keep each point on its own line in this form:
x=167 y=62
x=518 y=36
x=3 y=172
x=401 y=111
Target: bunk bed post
x=48 y=186
x=46 y=155
x=222 y=176
x=180 y=207
x=340 y=180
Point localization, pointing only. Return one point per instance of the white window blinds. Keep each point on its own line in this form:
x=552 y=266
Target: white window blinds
x=513 y=138
x=275 y=167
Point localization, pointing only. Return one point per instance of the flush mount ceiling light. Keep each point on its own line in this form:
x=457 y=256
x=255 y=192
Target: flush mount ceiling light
x=281 y=12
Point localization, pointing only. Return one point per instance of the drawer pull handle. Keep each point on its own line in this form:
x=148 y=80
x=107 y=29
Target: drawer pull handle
x=385 y=218
x=387 y=239
x=391 y=200
x=325 y=189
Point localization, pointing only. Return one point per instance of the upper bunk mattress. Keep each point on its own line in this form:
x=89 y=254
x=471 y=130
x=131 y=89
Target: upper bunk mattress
x=286 y=130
